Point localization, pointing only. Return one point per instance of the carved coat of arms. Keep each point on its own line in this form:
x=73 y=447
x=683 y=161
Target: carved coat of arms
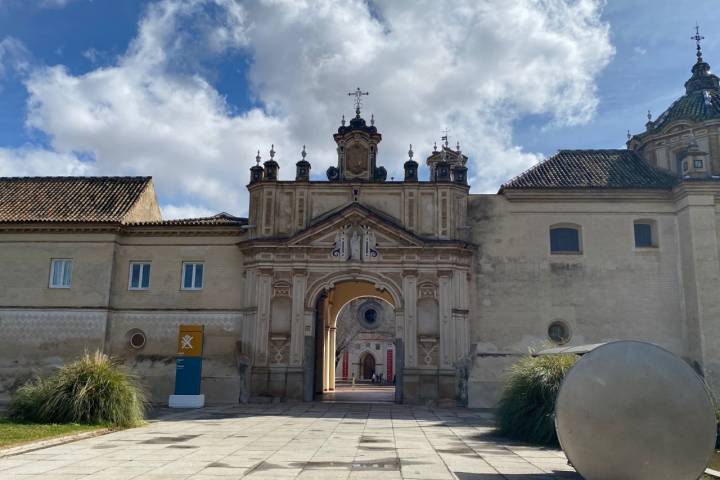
x=356 y=158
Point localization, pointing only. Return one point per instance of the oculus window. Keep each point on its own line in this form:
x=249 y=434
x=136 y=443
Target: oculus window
x=61 y=273
x=139 y=276
x=559 y=332
x=192 y=275
x=645 y=234
x=565 y=239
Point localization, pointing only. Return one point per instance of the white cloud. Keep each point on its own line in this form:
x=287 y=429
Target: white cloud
x=472 y=66
x=185 y=211
x=14 y=57
x=32 y=161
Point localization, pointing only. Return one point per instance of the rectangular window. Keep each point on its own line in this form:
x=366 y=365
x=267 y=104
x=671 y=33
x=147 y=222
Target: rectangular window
x=192 y=276
x=564 y=240
x=61 y=273
x=644 y=235
x=697 y=163
x=139 y=276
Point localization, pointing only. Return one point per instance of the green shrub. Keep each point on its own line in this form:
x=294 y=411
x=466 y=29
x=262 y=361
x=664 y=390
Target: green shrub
x=93 y=389
x=526 y=411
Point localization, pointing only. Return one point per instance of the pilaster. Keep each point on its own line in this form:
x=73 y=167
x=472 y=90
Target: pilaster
x=447 y=328
x=297 y=326
x=410 y=320
x=262 y=324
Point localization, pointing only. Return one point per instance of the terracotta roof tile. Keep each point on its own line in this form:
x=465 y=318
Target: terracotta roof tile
x=581 y=169
x=221 y=219
x=68 y=199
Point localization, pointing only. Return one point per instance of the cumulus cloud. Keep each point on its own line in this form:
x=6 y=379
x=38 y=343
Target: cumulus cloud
x=472 y=66
x=33 y=161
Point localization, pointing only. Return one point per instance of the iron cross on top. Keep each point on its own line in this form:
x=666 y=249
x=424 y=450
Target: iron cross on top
x=358 y=95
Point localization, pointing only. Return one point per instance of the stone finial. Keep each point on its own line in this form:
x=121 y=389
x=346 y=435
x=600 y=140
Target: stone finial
x=271 y=166
x=411 y=167
x=257 y=172
x=302 y=170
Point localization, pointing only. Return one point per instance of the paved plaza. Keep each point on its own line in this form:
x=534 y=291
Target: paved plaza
x=300 y=440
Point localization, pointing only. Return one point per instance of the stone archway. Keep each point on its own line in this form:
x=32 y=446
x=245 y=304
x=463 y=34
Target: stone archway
x=329 y=299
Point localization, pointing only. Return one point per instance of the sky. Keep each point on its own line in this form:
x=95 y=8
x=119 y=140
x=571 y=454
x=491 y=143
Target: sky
x=188 y=91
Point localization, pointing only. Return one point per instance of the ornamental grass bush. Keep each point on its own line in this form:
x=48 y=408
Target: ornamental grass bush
x=526 y=410
x=94 y=390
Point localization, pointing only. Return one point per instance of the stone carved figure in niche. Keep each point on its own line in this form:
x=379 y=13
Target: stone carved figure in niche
x=369 y=244
x=356 y=159
x=355 y=246
x=340 y=247
x=360 y=245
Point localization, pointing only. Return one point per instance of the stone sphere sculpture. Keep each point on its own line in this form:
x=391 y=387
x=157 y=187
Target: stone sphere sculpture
x=633 y=411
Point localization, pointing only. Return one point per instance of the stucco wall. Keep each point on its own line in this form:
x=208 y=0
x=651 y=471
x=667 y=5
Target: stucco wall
x=25 y=272
x=610 y=291
x=223 y=273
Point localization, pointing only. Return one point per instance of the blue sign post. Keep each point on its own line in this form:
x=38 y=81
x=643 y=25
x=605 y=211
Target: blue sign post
x=188 y=368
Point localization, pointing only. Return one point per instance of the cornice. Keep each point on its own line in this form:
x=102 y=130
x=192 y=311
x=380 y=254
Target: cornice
x=696 y=187
x=589 y=195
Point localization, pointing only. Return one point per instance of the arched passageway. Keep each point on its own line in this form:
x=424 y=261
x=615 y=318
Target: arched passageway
x=342 y=370
x=367 y=366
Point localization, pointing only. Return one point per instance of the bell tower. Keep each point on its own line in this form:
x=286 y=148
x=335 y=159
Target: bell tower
x=357 y=149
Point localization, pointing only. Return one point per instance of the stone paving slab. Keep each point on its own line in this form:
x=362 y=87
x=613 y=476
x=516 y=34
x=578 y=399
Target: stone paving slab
x=298 y=441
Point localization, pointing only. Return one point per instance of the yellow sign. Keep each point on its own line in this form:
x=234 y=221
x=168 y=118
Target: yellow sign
x=190 y=340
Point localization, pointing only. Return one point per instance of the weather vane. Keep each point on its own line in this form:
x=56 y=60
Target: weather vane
x=698 y=38
x=358 y=96
x=445 y=138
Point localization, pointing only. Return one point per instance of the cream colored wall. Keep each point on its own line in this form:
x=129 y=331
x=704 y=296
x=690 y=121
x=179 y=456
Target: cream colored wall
x=611 y=291
x=25 y=272
x=44 y=328
x=223 y=272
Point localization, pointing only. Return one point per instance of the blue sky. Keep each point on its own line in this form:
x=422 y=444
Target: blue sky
x=188 y=90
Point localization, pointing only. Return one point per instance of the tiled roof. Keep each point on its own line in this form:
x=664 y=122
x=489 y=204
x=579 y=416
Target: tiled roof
x=580 y=169
x=221 y=219
x=68 y=199
x=697 y=106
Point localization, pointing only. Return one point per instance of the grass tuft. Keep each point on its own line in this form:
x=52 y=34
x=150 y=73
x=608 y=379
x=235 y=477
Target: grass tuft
x=526 y=410
x=91 y=390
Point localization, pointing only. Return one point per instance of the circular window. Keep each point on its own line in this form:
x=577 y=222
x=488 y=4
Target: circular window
x=369 y=315
x=559 y=332
x=136 y=338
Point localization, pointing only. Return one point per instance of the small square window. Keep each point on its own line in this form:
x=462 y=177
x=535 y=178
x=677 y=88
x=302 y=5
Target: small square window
x=139 y=276
x=192 y=276
x=697 y=163
x=645 y=236
x=564 y=240
x=61 y=273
